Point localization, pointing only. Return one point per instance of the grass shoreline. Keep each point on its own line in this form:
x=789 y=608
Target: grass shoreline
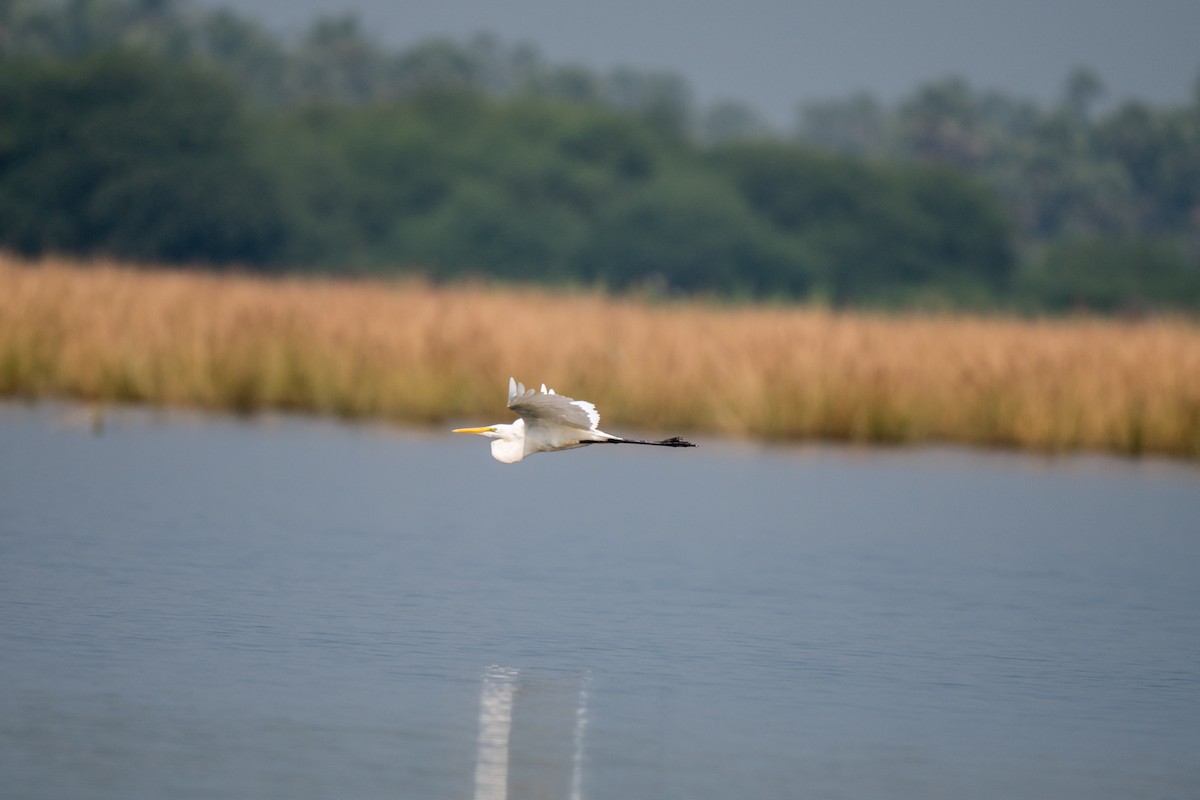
x=408 y=351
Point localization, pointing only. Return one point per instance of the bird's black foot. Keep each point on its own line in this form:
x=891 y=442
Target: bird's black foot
x=675 y=441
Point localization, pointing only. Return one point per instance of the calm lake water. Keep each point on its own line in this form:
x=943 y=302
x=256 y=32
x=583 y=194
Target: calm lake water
x=199 y=607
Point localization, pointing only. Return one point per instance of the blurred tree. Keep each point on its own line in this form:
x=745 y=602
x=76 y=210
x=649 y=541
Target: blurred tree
x=729 y=120
x=942 y=124
x=476 y=156
x=856 y=127
x=1082 y=89
x=78 y=27
x=877 y=234
x=481 y=229
x=437 y=64
x=335 y=62
x=241 y=49
x=616 y=145
x=662 y=100
x=1160 y=153
x=121 y=154
x=572 y=83
x=1107 y=274
x=691 y=233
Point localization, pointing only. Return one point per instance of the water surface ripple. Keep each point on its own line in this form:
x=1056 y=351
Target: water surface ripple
x=208 y=607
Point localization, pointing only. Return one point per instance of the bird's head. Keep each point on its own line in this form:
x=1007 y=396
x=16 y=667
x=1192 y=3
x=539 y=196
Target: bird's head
x=509 y=446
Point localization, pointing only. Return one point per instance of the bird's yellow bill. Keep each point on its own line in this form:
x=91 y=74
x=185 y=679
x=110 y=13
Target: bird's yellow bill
x=472 y=430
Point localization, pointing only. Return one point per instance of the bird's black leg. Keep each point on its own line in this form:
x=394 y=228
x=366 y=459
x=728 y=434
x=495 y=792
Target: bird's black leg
x=674 y=441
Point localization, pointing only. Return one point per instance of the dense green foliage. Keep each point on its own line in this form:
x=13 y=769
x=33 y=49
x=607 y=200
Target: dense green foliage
x=140 y=129
x=123 y=156
x=1107 y=206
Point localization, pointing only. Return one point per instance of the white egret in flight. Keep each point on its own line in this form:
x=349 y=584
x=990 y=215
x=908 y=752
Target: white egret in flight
x=548 y=422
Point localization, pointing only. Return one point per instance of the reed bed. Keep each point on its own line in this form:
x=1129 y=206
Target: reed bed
x=410 y=351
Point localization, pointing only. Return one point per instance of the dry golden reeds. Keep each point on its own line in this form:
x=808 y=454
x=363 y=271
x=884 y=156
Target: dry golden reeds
x=411 y=351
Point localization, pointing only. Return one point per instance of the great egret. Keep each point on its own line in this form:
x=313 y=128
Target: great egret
x=548 y=422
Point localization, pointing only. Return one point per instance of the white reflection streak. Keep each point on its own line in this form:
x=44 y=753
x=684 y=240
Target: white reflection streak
x=581 y=720
x=495 y=724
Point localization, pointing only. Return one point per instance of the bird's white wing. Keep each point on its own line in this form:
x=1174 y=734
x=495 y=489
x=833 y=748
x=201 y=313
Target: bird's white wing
x=546 y=407
x=515 y=390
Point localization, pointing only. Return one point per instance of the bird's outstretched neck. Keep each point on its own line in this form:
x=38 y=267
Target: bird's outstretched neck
x=674 y=441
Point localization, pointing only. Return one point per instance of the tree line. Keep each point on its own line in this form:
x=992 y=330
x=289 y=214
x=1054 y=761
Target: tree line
x=143 y=129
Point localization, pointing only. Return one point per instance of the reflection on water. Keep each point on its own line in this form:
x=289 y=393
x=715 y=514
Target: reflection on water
x=581 y=720
x=495 y=723
x=552 y=715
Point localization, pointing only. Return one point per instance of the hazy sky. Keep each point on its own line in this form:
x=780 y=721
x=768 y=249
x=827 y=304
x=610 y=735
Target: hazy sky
x=774 y=54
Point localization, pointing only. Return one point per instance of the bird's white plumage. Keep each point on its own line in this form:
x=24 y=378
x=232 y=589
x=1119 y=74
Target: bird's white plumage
x=545 y=408
x=547 y=421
